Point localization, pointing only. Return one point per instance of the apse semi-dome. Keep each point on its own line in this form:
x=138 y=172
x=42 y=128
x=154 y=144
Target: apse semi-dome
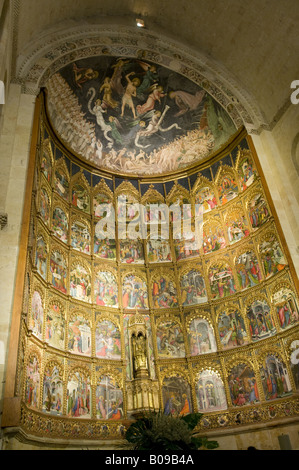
x=133 y=116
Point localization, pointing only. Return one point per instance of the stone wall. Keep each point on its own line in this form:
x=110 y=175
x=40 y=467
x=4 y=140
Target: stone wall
x=14 y=150
x=275 y=155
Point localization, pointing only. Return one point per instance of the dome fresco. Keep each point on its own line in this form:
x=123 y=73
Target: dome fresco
x=134 y=117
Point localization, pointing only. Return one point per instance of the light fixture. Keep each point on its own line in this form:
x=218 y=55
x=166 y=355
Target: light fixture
x=140 y=23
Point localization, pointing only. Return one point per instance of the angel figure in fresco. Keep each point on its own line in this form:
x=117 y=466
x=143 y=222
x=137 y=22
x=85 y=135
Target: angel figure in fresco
x=185 y=101
x=83 y=75
x=98 y=110
x=130 y=92
x=156 y=94
x=149 y=77
x=115 y=81
x=107 y=95
x=115 y=127
x=154 y=126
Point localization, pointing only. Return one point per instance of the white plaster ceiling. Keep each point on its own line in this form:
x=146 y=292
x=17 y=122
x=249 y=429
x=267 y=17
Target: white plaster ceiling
x=255 y=41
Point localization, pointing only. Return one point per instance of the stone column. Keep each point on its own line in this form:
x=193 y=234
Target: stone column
x=15 y=141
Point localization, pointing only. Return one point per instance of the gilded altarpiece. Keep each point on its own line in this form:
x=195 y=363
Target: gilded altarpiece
x=112 y=325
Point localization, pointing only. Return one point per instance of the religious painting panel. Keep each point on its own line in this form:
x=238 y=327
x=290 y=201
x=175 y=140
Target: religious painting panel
x=41 y=255
x=158 y=251
x=185 y=247
x=79 y=335
x=260 y=320
x=275 y=379
x=231 y=328
x=221 y=279
x=81 y=198
x=32 y=386
x=102 y=205
x=58 y=270
x=55 y=325
x=176 y=395
x=164 y=292
x=210 y=392
x=236 y=224
x=179 y=204
x=205 y=197
x=243 y=385
x=80 y=237
x=46 y=161
x=106 y=289
x=44 y=206
x=60 y=224
x=248 y=270
x=61 y=184
x=201 y=337
x=154 y=214
x=53 y=390
x=104 y=248
x=131 y=251
x=286 y=306
x=227 y=187
x=193 y=288
x=80 y=283
x=170 y=339
x=258 y=211
x=37 y=314
x=153 y=208
x=109 y=399
x=104 y=242
x=78 y=395
x=271 y=255
x=127 y=208
x=134 y=292
x=107 y=340
x=213 y=236
x=246 y=169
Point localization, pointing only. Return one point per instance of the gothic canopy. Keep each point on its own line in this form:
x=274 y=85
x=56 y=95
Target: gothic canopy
x=132 y=116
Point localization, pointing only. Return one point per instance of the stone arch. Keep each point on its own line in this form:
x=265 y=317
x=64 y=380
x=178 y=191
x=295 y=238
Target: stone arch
x=59 y=45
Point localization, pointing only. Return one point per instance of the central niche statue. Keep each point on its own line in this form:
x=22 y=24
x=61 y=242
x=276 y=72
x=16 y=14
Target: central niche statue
x=139 y=355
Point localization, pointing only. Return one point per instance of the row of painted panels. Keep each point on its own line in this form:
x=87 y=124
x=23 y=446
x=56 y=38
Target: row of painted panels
x=97 y=240
x=99 y=284
x=205 y=193
x=103 y=335
x=106 y=399
x=233 y=174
